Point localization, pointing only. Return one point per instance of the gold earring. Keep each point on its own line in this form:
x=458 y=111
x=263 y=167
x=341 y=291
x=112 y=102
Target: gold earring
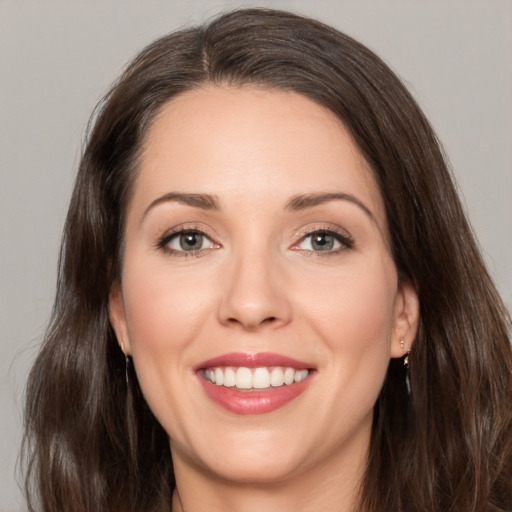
x=407 y=373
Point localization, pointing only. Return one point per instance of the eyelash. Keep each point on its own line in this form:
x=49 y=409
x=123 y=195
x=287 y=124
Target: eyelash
x=344 y=239
x=163 y=242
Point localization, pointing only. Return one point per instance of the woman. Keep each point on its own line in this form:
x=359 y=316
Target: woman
x=269 y=296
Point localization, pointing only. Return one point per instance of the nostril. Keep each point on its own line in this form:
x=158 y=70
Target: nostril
x=252 y=325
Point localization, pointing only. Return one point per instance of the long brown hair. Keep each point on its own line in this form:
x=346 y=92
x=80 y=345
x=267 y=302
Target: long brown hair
x=91 y=442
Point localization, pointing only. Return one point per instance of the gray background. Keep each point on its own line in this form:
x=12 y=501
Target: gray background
x=58 y=58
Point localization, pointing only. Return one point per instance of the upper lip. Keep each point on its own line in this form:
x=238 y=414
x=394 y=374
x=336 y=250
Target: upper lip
x=253 y=360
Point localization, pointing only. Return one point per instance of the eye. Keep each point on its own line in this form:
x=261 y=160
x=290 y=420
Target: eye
x=184 y=241
x=324 y=241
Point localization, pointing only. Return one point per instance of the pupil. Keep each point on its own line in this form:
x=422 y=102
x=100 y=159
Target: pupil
x=322 y=242
x=191 y=241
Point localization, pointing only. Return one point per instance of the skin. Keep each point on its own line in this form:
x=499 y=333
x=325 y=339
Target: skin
x=257 y=284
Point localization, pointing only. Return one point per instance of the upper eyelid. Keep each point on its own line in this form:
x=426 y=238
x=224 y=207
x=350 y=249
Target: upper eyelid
x=328 y=228
x=188 y=228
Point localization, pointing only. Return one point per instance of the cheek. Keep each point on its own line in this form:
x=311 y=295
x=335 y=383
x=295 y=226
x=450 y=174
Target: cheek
x=160 y=304
x=353 y=315
x=355 y=308
x=163 y=312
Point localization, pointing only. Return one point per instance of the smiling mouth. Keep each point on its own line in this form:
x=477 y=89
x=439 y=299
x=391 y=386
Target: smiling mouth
x=254 y=383
x=246 y=379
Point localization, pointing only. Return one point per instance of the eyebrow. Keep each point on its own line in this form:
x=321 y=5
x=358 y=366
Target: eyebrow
x=303 y=201
x=203 y=201
x=296 y=203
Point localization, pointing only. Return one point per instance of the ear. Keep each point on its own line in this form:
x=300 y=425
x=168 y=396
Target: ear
x=406 y=318
x=117 y=318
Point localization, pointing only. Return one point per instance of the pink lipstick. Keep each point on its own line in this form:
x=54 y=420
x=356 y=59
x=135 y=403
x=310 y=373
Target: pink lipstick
x=248 y=383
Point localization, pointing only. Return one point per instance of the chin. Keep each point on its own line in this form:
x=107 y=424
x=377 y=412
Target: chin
x=256 y=471
x=246 y=458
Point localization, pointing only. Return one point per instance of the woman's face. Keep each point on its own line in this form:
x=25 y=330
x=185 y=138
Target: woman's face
x=259 y=299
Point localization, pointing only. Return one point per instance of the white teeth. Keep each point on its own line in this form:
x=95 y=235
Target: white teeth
x=243 y=378
x=229 y=377
x=300 y=375
x=260 y=378
x=254 y=378
x=289 y=376
x=219 y=377
x=277 y=377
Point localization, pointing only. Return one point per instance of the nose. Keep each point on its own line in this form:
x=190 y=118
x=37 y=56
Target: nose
x=254 y=294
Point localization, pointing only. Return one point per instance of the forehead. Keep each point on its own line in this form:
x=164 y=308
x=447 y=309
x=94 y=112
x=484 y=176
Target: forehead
x=243 y=143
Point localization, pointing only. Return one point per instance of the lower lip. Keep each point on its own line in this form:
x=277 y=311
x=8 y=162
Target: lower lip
x=254 y=402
